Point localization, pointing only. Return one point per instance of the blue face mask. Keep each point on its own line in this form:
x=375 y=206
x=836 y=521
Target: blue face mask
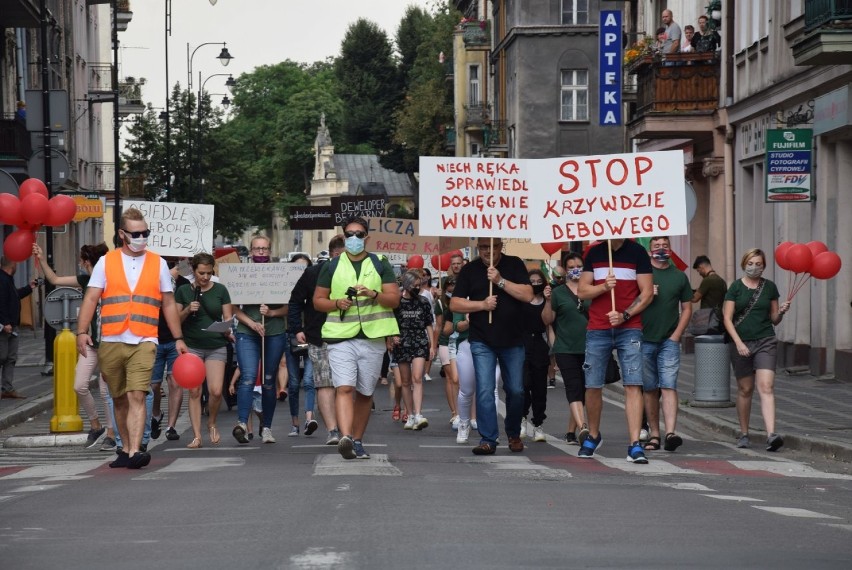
x=661 y=255
x=354 y=245
x=574 y=273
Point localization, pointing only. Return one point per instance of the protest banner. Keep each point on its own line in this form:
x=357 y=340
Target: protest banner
x=256 y=283
x=178 y=230
x=311 y=218
x=608 y=197
x=467 y=197
x=345 y=207
x=396 y=235
x=525 y=249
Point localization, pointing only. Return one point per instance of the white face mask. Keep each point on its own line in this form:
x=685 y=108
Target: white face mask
x=136 y=245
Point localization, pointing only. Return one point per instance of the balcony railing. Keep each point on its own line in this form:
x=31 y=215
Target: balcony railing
x=820 y=13
x=680 y=83
x=450 y=137
x=100 y=78
x=100 y=177
x=476 y=35
x=14 y=140
x=477 y=114
x=495 y=135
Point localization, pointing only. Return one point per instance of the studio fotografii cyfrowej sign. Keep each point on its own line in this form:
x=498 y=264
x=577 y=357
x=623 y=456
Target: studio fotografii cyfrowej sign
x=256 y=283
x=559 y=199
x=178 y=230
x=346 y=207
x=789 y=163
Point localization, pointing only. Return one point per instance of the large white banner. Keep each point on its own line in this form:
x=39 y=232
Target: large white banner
x=179 y=230
x=256 y=283
x=471 y=197
x=607 y=197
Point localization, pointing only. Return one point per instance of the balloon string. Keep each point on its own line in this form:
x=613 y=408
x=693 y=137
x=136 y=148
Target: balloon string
x=802 y=284
x=801 y=279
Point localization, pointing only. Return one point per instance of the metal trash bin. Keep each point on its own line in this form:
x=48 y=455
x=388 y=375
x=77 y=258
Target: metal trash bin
x=712 y=373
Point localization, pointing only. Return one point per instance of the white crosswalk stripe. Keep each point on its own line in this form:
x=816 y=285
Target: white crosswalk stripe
x=335 y=465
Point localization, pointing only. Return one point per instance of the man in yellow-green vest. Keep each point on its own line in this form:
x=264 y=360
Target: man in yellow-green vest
x=359 y=292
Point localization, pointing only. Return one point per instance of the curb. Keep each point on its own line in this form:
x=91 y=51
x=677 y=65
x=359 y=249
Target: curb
x=21 y=414
x=54 y=440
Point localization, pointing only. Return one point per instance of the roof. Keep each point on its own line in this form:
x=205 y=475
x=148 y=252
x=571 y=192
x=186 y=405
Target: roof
x=364 y=171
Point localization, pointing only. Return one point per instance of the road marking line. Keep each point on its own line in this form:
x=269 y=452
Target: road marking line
x=840 y=526
x=653 y=467
x=31 y=488
x=734 y=498
x=787 y=469
x=793 y=512
x=192 y=465
x=58 y=470
x=211 y=448
x=688 y=487
x=334 y=465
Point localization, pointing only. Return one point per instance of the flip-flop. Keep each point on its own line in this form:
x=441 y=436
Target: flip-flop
x=673 y=441
x=214 y=435
x=653 y=443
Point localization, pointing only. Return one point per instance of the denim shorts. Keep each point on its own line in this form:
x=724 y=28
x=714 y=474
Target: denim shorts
x=599 y=347
x=165 y=359
x=662 y=363
x=205 y=354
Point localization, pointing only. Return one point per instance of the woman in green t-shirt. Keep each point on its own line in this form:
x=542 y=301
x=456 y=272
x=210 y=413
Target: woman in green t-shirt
x=750 y=310
x=199 y=306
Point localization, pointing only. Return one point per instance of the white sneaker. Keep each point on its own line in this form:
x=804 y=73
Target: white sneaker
x=409 y=424
x=524 y=430
x=427 y=378
x=464 y=432
x=420 y=422
x=538 y=434
x=454 y=422
x=473 y=424
x=266 y=435
x=644 y=435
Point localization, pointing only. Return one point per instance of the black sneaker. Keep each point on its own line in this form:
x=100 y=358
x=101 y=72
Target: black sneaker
x=774 y=442
x=311 y=426
x=94 y=437
x=123 y=460
x=143 y=447
x=571 y=438
x=108 y=444
x=551 y=383
x=139 y=460
x=155 y=427
x=172 y=434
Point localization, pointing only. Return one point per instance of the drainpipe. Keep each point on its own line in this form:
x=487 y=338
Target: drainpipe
x=730 y=260
x=21 y=82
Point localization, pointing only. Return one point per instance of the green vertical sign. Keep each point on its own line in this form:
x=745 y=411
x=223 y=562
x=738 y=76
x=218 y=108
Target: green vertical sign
x=789 y=161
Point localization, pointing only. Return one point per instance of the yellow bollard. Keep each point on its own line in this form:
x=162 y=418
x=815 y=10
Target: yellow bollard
x=65 y=411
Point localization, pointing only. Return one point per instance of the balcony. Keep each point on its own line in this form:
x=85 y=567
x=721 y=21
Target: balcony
x=130 y=97
x=450 y=137
x=99 y=177
x=495 y=137
x=100 y=81
x=14 y=140
x=675 y=94
x=123 y=15
x=827 y=37
x=477 y=115
x=476 y=35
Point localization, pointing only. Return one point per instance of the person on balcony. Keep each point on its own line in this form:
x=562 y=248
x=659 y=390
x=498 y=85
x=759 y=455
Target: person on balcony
x=706 y=40
x=688 y=35
x=673 y=33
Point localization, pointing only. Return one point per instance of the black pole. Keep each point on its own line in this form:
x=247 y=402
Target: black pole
x=168 y=118
x=116 y=214
x=200 y=129
x=49 y=333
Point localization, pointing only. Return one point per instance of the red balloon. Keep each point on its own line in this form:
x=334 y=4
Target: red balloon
x=415 y=262
x=445 y=260
x=825 y=265
x=816 y=247
x=781 y=254
x=438 y=263
x=32 y=186
x=19 y=245
x=188 y=371
x=34 y=209
x=457 y=253
x=10 y=210
x=61 y=210
x=799 y=258
x=551 y=247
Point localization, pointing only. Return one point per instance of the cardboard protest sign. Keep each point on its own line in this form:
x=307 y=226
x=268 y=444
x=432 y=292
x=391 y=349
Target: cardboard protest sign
x=311 y=218
x=256 y=283
x=608 y=197
x=467 y=197
x=393 y=235
x=345 y=207
x=524 y=248
x=178 y=230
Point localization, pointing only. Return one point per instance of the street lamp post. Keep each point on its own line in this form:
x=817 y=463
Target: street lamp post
x=230 y=83
x=166 y=112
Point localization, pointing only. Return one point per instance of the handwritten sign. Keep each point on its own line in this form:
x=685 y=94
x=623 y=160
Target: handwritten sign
x=467 y=197
x=179 y=230
x=256 y=283
x=524 y=248
x=345 y=207
x=311 y=218
x=393 y=235
x=608 y=197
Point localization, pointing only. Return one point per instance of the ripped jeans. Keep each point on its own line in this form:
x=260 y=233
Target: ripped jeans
x=599 y=346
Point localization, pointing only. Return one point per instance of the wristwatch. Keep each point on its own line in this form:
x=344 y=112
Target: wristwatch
x=501 y=283
x=626 y=316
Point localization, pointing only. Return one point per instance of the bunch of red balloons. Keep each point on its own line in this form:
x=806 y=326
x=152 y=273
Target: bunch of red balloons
x=29 y=211
x=439 y=262
x=806 y=260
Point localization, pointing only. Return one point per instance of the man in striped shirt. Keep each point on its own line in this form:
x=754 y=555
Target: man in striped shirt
x=618 y=295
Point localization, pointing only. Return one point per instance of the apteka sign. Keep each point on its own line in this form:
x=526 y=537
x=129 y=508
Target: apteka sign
x=610 y=58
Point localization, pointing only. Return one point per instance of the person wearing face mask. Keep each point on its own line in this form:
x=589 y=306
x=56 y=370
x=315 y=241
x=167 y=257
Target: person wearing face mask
x=568 y=315
x=359 y=292
x=131 y=284
x=89 y=256
x=536 y=360
x=414 y=346
x=258 y=324
x=749 y=313
x=664 y=321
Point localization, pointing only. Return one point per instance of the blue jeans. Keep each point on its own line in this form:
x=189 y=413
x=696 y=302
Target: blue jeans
x=485 y=359
x=662 y=362
x=248 y=359
x=166 y=355
x=599 y=347
x=295 y=375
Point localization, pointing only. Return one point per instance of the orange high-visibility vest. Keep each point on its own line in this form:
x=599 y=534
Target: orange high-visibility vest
x=121 y=308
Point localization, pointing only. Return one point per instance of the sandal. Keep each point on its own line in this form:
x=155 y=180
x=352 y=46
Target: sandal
x=195 y=443
x=653 y=443
x=673 y=442
x=395 y=414
x=214 y=435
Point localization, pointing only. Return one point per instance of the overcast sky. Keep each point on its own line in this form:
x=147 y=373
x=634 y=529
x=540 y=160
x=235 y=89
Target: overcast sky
x=258 y=32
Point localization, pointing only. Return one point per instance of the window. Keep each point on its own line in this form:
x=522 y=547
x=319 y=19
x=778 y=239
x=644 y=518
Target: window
x=575 y=12
x=575 y=95
x=475 y=150
x=473 y=86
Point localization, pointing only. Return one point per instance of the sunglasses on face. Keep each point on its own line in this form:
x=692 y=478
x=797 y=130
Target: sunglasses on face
x=137 y=235
x=358 y=234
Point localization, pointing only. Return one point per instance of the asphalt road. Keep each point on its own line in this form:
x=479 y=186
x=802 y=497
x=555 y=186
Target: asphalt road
x=422 y=501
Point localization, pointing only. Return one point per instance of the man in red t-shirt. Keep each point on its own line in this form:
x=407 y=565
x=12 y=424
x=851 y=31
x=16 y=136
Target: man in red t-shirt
x=617 y=329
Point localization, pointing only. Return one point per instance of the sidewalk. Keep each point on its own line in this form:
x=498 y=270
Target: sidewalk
x=814 y=414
